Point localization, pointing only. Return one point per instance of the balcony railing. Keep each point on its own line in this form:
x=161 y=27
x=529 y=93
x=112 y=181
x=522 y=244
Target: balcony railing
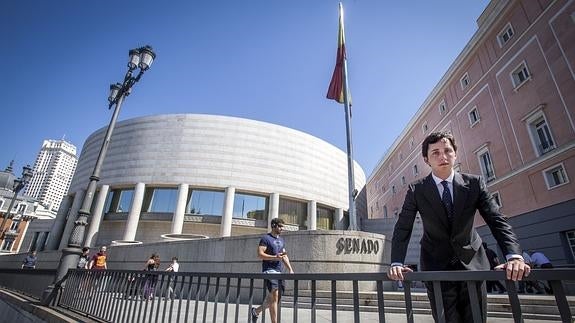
x=140 y=296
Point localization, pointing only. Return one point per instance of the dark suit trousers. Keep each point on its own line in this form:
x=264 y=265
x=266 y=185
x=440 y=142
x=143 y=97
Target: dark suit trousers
x=456 y=304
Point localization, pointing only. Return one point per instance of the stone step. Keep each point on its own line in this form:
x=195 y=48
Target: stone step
x=425 y=311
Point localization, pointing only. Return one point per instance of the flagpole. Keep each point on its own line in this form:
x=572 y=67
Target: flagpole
x=350 y=168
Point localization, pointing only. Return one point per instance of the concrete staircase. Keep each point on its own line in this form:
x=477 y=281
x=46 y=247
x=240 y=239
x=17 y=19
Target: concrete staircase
x=535 y=307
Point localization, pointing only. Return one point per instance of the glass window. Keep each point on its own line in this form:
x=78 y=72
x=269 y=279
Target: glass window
x=14 y=225
x=293 y=212
x=571 y=239
x=402 y=180
x=520 y=75
x=324 y=218
x=556 y=176
x=250 y=206
x=473 y=116
x=486 y=165
x=464 y=81
x=160 y=199
x=415 y=170
x=505 y=35
x=385 y=211
x=442 y=108
x=7 y=245
x=206 y=203
x=119 y=200
x=540 y=134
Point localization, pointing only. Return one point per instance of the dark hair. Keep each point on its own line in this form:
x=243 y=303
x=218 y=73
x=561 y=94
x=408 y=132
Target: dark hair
x=85 y=249
x=277 y=221
x=435 y=137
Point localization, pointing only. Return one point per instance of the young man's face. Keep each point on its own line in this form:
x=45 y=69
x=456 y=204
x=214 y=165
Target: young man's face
x=278 y=229
x=441 y=156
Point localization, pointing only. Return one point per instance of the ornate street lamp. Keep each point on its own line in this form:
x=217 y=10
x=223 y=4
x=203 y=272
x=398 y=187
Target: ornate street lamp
x=18 y=185
x=140 y=59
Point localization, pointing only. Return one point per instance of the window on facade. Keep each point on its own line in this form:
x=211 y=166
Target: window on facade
x=496 y=198
x=415 y=170
x=541 y=135
x=22 y=208
x=160 y=199
x=400 y=156
x=411 y=143
x=402 y=180
x=442 y=108
x=464 y=81
x=556 y=176
x=1 y=203
x=293 y=212
x=571 y=240
x=486 y=165
x=202 y=202
x=424 y=128
x=324 y=218
x=505 y=35
x=385 y=211
x=377 y=205
x=7 y=245
x=119 y=200
x=473 y=117
x=250 y=206
x=393 y=189
x=14 y=225
x=520 y=75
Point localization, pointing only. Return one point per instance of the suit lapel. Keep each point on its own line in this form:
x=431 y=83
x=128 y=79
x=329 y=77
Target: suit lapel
x=431 y=193
x=460 y=191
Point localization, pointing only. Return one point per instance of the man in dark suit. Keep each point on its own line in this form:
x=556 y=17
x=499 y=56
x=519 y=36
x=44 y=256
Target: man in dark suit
x=447 y=202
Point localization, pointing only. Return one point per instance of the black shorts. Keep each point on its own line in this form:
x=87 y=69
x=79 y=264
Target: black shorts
x=272 y=284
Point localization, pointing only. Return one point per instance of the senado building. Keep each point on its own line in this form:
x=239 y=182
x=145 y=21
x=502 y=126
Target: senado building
x=179 y=175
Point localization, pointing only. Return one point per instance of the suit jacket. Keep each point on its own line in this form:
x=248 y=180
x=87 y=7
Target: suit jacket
x=442 y=241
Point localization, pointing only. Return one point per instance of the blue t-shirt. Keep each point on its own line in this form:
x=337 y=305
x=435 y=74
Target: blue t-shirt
x=274 y=246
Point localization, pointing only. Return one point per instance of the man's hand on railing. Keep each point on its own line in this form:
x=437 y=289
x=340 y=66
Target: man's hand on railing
x=396 y=272
x=515 y=269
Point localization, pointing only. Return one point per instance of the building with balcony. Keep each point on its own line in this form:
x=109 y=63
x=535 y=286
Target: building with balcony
x=509 y=99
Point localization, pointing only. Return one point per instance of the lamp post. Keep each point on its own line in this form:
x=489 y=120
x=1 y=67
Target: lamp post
x=140 y=59
x=18 y=185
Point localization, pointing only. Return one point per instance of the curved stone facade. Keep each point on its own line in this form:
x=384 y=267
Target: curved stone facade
x=220 y=151
x=209 y=152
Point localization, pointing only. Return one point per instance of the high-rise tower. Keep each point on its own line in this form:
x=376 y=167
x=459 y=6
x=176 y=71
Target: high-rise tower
x=53 y=171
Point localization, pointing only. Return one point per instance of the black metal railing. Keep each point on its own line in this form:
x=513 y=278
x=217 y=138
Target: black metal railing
x=140 y=296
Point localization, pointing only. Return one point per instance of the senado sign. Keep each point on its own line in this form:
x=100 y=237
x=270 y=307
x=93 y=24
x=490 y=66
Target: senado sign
x=357 y=246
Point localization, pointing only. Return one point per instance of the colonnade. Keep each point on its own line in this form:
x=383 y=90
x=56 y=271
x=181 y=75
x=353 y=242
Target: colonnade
x=67 y=215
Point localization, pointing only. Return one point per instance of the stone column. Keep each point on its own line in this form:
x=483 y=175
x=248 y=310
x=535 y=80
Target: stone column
x=134 y=214
x=226 y=224
x=178 y=218
x=71 y=218
x=96 y=217
x=58 y=226
x=274 y=208
x=338 y=219
x=312 y=215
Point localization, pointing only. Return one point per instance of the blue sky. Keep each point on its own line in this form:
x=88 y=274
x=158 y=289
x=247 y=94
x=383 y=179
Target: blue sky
x=266 y=60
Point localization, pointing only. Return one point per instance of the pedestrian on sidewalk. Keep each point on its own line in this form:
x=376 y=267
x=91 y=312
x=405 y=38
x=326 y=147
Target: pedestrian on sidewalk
x=272 y=252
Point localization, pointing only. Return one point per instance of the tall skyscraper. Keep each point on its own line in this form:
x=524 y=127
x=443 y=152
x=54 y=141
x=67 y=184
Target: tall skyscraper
x=53 y=171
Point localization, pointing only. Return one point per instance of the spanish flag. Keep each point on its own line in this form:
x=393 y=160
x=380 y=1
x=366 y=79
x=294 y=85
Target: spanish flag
x=338 y=86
